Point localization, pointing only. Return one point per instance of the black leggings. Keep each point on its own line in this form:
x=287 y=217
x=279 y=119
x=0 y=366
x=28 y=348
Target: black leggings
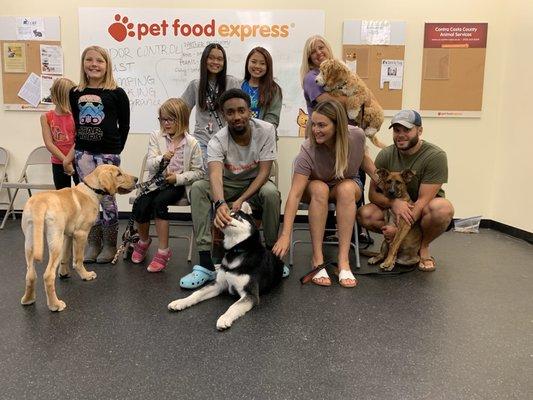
x=155 y=204
x=62 y=180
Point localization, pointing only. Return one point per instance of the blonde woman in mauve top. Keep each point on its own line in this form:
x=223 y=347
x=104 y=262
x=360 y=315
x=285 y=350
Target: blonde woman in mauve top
x=327 y=170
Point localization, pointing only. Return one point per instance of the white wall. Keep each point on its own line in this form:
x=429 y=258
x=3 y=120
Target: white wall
x=489 y=157
x=512 y=182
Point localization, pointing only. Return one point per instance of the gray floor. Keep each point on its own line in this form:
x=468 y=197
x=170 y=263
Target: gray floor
x=462 y=332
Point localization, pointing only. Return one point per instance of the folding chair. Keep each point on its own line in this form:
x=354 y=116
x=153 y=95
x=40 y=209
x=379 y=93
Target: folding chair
x=274 y=173
x=331 y=207
x=38 y=157
x=182 y=203
x=274 y=177
x=4 y=161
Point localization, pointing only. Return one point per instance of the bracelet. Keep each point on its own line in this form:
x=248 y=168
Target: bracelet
x=218 y=203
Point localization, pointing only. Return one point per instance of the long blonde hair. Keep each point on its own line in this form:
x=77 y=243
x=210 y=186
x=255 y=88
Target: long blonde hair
x=178 y=110
x=336 y=113
x=60 y=91
x=306 y=54
x=109 y=81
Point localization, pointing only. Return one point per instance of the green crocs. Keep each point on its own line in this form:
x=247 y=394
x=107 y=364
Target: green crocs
x=198 y=277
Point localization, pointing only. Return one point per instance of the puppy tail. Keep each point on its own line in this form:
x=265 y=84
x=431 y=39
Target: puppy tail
x=378 y=143
x=38 y=232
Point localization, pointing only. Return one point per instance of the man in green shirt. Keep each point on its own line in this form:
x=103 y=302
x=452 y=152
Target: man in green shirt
x=430 y=208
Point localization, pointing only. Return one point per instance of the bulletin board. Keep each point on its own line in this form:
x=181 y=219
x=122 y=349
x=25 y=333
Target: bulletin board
x=369 y=53
x=13 y=81
x=453 y=69
x=369 y=59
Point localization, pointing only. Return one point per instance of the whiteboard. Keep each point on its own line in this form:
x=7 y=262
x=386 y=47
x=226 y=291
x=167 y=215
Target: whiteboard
x=156 y=52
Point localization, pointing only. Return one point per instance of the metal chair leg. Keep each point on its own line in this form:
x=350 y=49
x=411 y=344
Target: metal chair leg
x=357 y=258
x=9 y=209
x=191 y=240
x=291 y=251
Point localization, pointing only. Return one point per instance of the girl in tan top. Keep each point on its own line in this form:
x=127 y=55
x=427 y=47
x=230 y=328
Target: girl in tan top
x=326 y=170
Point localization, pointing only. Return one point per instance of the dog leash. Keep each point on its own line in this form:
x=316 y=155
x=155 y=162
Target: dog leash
x=311 y=274
x=211 y=106
x=362 y=116
x=397 y=270
x=130 y=235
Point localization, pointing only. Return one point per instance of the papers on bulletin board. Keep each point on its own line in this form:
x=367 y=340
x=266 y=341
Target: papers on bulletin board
x=352 y=65
x=51 y=60
x=14 y=57
x=392 y=72
x=30 y=28
x=46 y=85
x=31 y=90
x=375 y=32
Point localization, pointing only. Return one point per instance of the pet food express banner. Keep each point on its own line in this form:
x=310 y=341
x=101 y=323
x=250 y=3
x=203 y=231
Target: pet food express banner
x=156 y=52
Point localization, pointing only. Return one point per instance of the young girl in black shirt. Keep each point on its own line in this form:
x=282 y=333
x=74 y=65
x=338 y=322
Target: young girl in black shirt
x=101 y=112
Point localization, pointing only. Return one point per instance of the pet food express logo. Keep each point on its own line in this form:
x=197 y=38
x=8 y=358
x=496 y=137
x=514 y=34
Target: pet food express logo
x=123 y=28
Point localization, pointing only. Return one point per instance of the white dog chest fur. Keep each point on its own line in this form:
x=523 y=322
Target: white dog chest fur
x=235 y=282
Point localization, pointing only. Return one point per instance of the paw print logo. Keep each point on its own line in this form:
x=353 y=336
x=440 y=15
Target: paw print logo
x=119 y=29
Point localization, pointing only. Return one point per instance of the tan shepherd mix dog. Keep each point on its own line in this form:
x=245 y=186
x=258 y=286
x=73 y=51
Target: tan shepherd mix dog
x=406 y=243
x=68 y=215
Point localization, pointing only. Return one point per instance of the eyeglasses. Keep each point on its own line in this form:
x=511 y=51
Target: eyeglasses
x=166 y=120
x=214 y=58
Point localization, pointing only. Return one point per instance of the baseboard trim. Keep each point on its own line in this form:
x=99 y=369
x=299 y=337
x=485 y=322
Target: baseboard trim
x=485 y=223
x=507 y=229
x=303 y=219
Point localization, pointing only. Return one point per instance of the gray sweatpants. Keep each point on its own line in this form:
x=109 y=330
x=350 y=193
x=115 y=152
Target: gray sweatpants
x=267 y=199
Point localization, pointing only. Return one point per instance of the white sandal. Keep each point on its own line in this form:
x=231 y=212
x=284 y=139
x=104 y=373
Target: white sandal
x=346 y=274
x=321 y=274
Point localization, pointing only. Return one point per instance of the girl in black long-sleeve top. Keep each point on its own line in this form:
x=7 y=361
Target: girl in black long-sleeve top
x=101 y=112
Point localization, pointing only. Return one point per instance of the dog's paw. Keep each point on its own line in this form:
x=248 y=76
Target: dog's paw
x=387 y=265
x=224 y=322
x=27 y=301
x=370 y=132
x=59 y=306
x=178 y=305
x=352 y=114
x=89 y=276
x=374 y=260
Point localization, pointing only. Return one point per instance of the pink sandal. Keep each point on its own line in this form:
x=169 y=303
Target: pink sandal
x=139 y=251
x=159 y=261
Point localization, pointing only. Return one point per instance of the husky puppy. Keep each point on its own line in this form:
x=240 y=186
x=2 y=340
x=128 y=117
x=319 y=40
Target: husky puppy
x=248 y=270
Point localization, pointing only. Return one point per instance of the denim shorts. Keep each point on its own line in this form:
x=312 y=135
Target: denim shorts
x=357 y=180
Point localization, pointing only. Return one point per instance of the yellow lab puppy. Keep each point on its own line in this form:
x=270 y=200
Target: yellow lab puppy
x=67 y=215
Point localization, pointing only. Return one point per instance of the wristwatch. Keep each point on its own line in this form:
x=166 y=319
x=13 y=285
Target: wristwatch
x=218 y=203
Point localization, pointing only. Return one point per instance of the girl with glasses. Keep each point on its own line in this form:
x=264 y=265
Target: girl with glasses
x=174 y=144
